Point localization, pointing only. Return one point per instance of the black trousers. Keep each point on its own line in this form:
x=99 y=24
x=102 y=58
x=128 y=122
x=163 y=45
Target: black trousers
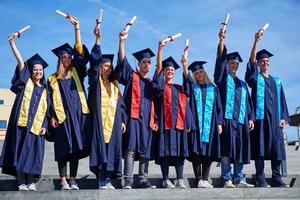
x=62 y=167
x=201 y=167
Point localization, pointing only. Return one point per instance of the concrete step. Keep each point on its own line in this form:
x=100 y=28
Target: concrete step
x=184 y=194
x=51 y=183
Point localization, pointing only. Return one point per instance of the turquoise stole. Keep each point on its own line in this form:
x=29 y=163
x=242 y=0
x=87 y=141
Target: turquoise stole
x=204 y=119
x=230 y=100
x=260 y=96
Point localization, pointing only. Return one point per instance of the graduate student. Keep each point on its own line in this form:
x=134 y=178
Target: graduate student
x=107 y=117
x=69 y=109
x=205 y=103
x=271 y=115
x=138 y=95
x=174 y=120
x=23 y=149
x=238 y=116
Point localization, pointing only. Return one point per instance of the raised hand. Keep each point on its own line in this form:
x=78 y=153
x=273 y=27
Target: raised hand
x=222 y=35
x=123 y=35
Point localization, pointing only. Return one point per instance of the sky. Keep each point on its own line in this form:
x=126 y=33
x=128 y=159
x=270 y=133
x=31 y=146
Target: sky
x=195 y=19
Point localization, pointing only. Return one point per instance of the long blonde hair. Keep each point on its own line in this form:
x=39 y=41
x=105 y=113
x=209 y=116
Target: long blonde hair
x=206 y=78
x=60 y=70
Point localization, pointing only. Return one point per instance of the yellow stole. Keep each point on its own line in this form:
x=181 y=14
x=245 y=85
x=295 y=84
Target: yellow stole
x=56 y=96
x=108 y=109
x=40 y=112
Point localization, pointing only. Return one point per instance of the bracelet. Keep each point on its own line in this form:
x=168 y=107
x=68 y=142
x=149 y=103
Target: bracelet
x=77 y=29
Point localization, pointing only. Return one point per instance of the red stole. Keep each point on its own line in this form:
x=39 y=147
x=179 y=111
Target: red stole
x=135 y=96
x=182 y=100
x=136 y=100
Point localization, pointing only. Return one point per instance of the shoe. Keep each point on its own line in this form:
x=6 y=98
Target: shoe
x=168 y=184
x=65 y=186
x=128 y=184
x=180 y=184
x=206 y=184
x=279 y=183
x=109 y=186
x=31 y=187
x=200 y=184
x=244 y=184
x=263 y=184
x=23 y=187
x=74 y=186
x=229 y=184
x=146 y=184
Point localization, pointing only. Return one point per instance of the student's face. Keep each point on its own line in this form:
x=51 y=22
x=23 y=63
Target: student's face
x=106 y=68
x=145 y=65
x=169 y=73
x=199 y=75
x=264 y=64
x=37 y=72
x=233 y=65
x=66 y=59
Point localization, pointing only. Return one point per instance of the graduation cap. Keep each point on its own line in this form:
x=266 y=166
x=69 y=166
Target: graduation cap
x=63 y=49
x=107 y=58
x=263 y=54
x=234 y=56
x=169 y=62
x=145 y=53
x=36 y=59
x=197 y=65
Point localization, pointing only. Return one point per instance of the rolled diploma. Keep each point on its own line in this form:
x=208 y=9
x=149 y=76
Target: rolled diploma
x=224 y=24
x=65 y=14
x=21 y=31
x=265 y=26
x=187 y=43
x=99 y=20
x=129 y=24
x=171 y=38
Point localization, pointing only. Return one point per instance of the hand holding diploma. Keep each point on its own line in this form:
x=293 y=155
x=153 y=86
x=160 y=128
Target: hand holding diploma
x=18 y=33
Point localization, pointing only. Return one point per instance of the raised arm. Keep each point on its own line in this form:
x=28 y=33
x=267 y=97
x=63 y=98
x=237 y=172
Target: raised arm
x=95 y=57
x=221 y=69
x=16 y=53
x=252 y=68
x=222 y=35
x=122 y=38
x=258 y=36
x=159 y=57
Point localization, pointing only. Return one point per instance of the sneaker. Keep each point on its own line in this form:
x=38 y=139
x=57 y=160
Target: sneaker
x=179 y=184
x=128 y=184
x=146 y=184
x=244 y=184
x=23 y=187
x=168 y=184
x=229 y=184
x=73 y=185
x=206 y=184
x=200 y=184
x=109 y=186
x=102 y=187
x=263 y=184
x=65 y=186
x=279 y=183
x=31 y=187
